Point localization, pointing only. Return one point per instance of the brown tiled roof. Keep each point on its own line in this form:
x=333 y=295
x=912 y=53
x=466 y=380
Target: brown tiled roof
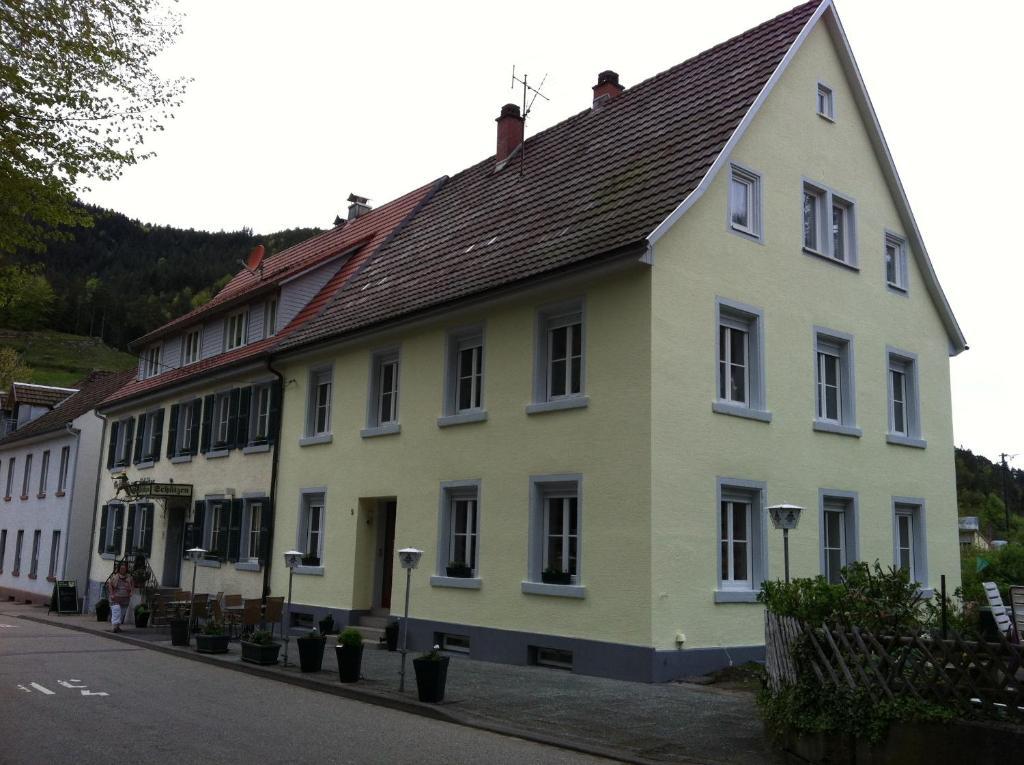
x=364 y=236
x=596 y=183
x=93 y=389
x=38 y=395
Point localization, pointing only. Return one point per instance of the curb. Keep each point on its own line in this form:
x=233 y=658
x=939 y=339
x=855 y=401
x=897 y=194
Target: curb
x=371 y=697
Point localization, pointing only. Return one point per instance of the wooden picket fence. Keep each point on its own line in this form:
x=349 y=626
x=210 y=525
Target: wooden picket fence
x=977 y=679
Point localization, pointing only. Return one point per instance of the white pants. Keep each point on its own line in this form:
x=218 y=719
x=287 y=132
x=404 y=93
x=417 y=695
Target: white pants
x=117 y=613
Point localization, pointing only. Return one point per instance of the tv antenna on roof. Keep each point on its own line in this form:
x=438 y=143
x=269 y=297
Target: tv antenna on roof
x=527 y=90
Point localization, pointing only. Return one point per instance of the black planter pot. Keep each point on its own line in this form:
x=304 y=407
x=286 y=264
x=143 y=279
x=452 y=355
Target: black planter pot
x=212 y=643
x=142 y=620
x=350 y=658
x=556 y=577
x=311 y=653
x=431 y=676
x=260 y=653
x=103 y=611
x=461 y=572
x=391 y=635
x=179 y=631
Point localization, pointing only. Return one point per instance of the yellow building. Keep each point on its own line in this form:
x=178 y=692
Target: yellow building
x=578 y=377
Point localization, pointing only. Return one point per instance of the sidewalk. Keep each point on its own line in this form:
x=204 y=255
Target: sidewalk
x=633 y=722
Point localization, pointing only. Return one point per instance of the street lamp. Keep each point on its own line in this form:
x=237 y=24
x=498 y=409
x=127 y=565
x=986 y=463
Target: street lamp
x=409 y=557
x=292 y=559
x=785 y=517
x=195 y=554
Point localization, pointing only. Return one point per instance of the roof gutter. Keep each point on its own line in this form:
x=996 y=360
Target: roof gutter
x=274 y=462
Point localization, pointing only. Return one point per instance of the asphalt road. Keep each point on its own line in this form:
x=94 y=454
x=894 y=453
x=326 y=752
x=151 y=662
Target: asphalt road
x=72 y=697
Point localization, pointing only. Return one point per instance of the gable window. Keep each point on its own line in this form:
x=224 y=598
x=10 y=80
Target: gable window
x=826 y=102
x=318 y=406
x=270 y=317
x=895 y=262
x=62 y=472
x=459 y=533
x=555 y=555
x=10 y=478
x=464 y=378
x=829 y=225
x=27 y=476
x=311 y=526
x=835 y=400
x=742 y=559
x=909 y=548
x=382 y=408
x=151 y=362
x=17 y=552
x=745 y=202
x=111 y=529
x=739 y=342
x=904 y=405
x=560 y=365
x=44 y=472
x=54 y=553
x=838 y=522
x=192 y=345
x=235 y=330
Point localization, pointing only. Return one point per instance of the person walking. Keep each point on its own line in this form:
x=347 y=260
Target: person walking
x=121 y=587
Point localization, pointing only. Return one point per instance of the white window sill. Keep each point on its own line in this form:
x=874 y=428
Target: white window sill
x=256 y=449
x=144 y=465
x=736 y=596
x=310 y=570
x=898 y=440
x=823 y=426
x=901 y=291
x=830 y=259
x=323 y=438
x=460 y=582
x=748 y=235
x=462 y=418
x=391 y=429
x=217 y=454
x=247 y=565
x=738 y=410
x=181 y=459
x=558 y=404
x=557 y=590
x=207 y=563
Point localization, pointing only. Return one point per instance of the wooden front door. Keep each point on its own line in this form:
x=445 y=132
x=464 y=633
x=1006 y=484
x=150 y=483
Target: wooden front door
x=387 y=552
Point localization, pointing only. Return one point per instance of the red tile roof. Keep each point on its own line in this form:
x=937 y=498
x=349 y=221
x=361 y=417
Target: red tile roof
x=365 y=235
x=599 y=182
x=38 y=395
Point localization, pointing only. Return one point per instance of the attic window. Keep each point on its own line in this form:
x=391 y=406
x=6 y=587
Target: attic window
x=826 y=102
x=151 y=362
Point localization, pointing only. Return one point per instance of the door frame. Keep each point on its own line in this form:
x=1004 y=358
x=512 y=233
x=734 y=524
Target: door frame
x=386 y=513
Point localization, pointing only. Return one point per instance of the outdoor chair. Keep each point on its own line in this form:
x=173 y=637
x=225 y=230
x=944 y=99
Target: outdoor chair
x=215 y=612
x=995 y=601
x=250 y=614
x=161 y=611
x=220 y=597
x=1017 y=608
x=273 y=613
x=199 y=609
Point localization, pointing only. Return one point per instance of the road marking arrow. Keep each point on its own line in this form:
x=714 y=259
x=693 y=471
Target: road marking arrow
x=41 y=689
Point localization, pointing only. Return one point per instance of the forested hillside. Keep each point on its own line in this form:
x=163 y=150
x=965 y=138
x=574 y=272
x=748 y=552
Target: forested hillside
x=121 y=278
x=979 y=488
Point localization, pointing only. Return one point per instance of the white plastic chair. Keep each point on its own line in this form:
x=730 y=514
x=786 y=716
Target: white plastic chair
x=995 y=601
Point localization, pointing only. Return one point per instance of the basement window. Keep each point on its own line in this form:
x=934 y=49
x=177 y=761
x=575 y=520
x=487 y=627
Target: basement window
x=453 y=643
x=556 y=658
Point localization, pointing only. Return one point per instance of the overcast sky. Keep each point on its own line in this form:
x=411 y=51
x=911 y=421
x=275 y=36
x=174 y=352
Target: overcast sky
x=295 y=105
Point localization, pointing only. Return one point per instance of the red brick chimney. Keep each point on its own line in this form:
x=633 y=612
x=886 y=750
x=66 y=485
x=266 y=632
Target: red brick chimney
x=607 y=88
x=510 y=131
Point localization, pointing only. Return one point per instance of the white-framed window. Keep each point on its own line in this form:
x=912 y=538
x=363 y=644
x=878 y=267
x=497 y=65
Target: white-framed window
x=10 y=478
x=186 y=435
x=459 y=527
x=896 y=262
x=151 y=361
x=192 y=346
x=62 y=472
x=139 y=535
x=467 y=366
x=259 y=417
x=825 y=102
x=909 y=542
x=270 y=317
x=310 y=540
x=838 y=521
x=152 y=424
x=318 y=402
x=235 y=329
x=834 y=392
x=17 y=552
x=254 y=521
x=215 y=527
x=221 y=425
x=382 y=402
x=26 y=480
x=44 y=473
x=111 y=529
x=742 y=558
x=829 y=224
x=556 y=520
x=560 y=358
x=745 y=202
x=54 y=554
x=904 y=404
x=37 y=536
x=122 y=436
x=739 y=363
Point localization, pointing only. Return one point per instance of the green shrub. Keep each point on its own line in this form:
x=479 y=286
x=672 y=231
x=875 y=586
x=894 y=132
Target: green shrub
x=350 y=638
x=213 y=628
x=262 y=637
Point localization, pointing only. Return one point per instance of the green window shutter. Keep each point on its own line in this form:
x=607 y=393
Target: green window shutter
x=274 y=418
x=235 y=530
x=112 y=446
x=233 y=399
x=223 y=528
x=118 y=529
x=207 y=434
x=242 y=423
x=158 y=444
x=129 y=544
x=101 y=546
x=266 y=534
x=128 y=436
x=172 y=432
x=147 y=538
x=197 y=405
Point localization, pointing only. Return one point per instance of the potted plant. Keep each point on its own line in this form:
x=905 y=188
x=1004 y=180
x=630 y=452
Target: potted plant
x=391 y=635
x=179 y=628
x=212 y=639
x=327 y=625
x=260 y=648
x=350 y=654
x=552 y=575
x=142 y=615
x=431 y=675
x=458 y=569
x=103 y=610
x=311 y=651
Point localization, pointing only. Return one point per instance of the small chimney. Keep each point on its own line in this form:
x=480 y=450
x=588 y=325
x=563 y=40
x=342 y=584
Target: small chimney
x=607 y=88
x=358 y=206
x=510 y=131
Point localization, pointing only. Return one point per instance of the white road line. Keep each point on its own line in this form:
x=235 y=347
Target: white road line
x=25 y=689
x=41 y=689
x=94 y=693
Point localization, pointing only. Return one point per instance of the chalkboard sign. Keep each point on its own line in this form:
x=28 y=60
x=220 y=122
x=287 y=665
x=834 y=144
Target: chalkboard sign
x=67 y=596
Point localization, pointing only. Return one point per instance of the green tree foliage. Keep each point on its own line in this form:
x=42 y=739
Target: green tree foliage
x=1005 y=567
x=26 y=297
x=78 y=95
x=979 y=488
x=12 y=368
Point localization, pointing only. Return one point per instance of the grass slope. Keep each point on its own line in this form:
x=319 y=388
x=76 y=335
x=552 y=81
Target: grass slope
x=61 y=359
